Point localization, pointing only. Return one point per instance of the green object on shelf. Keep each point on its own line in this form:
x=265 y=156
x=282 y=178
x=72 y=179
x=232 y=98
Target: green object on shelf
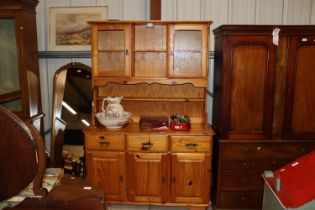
x=180 y=118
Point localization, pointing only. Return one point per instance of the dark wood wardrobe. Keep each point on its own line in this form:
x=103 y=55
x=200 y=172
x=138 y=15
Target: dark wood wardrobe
x=264 y=100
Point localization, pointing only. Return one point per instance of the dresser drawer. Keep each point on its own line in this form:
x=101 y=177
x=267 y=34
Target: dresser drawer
x=241 y=181
x=191 y=144
x=240 y=199
x=252 y=164
x=264 y=149
x=146 y=143
x=105 y=142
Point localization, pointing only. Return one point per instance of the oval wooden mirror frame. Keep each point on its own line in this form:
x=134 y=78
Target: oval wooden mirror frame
x=58 y=125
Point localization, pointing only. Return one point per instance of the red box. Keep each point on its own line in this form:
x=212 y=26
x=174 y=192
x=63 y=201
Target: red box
x=180 y=126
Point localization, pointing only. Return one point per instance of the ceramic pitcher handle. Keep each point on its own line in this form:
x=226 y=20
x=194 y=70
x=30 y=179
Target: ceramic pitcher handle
x=103 y=109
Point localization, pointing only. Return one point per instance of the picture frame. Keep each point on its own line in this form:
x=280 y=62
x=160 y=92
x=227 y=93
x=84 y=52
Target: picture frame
x=68 y=27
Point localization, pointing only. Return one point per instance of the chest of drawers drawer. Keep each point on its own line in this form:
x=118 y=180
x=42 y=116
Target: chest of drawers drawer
x=264 y=149
x=252 y=164
x=240 y=199
x=105 y=142
x=190 y=144
x=241 y=181
x=146 y=143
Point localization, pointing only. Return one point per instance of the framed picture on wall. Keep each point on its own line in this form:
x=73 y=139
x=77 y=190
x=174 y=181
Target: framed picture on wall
x=68 y=27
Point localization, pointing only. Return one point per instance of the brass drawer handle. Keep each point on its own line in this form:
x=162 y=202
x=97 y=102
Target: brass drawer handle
x=244 y=181
x=146 y=145
x=246 y=165
x=191 y=145
x=246 y=151
x=103 y=141
x=243 y=198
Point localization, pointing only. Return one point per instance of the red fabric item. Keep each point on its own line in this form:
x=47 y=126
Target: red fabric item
x=297 y=181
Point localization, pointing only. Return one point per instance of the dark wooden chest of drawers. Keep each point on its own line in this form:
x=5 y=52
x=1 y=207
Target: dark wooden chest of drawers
x=241 y=163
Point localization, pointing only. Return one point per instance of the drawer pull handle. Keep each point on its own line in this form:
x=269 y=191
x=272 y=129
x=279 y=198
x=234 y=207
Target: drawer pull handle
x=246 y=151
x=246 y=165
x=146 y=145
x=104 y=143
x=191 y=145
x=174 y=179
x=243 y=198
x=244 y=181
x=304 y=150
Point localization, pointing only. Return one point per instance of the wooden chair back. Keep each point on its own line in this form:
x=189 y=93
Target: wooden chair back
x=22 y=156
x=23 y=160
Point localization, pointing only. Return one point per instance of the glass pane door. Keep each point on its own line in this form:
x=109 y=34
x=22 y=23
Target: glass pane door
x=111 y=51
x=9 y=72
x=187 y=51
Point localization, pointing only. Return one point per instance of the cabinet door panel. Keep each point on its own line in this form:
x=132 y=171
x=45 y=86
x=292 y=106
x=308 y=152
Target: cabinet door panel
x=9 y=71
x=150 y=64
x=111 y=50
x=107 y=170
x=147 y=180
x=190 y=180
x=150 y=50
x=249 y=71
x=188 y=50
x=300 y=100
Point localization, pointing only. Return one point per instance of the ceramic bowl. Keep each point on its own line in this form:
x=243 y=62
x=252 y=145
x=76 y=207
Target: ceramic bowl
x=113 y=123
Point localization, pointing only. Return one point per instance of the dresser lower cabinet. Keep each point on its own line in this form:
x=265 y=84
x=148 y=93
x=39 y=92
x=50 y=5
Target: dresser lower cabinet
x=105 y=158
x=190 y=169
x=143 y=168
x=241 y=164
x=148 y=168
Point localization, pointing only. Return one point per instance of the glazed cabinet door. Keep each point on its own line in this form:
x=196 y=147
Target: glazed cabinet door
x=148 y=177
x=248 y=87
x=111 y=50
x=188 y=54
x=190 y=177
x=107 y=170
x=300 y=96
x=19 y=69
x=10 y=94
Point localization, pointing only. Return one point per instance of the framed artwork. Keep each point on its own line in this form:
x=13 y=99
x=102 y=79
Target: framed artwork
x=68 y=27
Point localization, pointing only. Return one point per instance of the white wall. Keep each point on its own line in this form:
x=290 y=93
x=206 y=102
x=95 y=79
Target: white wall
x=117 y=9
x=219 y=11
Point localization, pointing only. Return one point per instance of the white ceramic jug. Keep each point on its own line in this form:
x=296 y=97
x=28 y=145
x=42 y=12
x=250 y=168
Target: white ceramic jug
x=114 y=109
